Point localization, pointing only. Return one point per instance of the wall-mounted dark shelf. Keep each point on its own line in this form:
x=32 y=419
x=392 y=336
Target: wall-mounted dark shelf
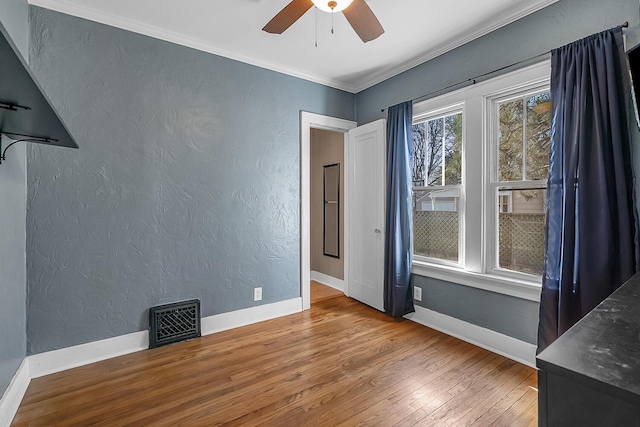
x=25 y=112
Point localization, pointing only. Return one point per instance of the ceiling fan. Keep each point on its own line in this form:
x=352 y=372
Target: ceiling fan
x=357 y=12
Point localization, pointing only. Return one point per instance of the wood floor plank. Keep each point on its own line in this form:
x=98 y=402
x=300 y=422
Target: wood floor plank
x=518 y=414
x=464 y=401
x=299 y=378
x=392 y=409
x=320 y=292
x=321 y=401
x=340 y=363
x=452 y=361
x=491 y=408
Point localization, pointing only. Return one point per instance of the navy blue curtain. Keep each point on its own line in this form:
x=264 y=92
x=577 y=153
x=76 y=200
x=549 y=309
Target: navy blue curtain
x=398 y=249
x=591 y=229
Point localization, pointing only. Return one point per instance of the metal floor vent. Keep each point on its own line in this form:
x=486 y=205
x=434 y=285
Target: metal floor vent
x=174 y=322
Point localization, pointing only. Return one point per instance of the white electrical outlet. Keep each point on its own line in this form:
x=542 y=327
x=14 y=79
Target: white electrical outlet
x=257 y=294
x=417 y=293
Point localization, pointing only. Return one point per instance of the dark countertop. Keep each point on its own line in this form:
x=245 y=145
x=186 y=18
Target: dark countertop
x=602 y=350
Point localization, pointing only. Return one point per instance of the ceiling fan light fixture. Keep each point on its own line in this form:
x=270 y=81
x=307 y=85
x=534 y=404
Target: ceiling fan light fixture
x=332 y=5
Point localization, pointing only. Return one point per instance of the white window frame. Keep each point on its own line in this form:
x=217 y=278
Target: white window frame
x=457 y=108
x=476 y=203
x=492 y=180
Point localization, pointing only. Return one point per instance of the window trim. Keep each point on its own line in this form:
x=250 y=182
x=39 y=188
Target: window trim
x=472 y=100
x=425 y=116
x=489 y=282
x=492 y=182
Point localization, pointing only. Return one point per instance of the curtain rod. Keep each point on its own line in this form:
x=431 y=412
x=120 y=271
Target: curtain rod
x=474 y=80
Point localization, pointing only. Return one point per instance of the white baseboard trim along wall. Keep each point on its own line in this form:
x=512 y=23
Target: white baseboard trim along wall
x=50 y=362
x=83 y=354
x=507 y=346
x=328 y=281
x=248 y=316
x=13 y=395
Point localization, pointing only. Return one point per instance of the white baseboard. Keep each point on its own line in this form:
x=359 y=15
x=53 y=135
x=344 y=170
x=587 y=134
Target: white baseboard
x=50 y=362
x=496 y=342
x=247 y=316
x=71 y=357
x=328 y=281
x=13 y=395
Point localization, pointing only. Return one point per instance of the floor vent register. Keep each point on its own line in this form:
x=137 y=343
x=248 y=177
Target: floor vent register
x=170 y=323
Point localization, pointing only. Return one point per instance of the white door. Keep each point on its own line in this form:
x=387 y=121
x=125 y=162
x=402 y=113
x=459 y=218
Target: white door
x=366 y=200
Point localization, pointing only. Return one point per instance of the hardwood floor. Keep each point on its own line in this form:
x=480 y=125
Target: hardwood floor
x=339 y=364
x=320 y=292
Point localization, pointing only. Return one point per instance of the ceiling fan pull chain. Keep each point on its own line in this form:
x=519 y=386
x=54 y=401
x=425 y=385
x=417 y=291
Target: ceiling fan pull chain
x=316 y=27
x=332 y=13
x=332 y=5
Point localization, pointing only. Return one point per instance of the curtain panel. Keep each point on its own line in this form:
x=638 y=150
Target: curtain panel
x=398 y=251
x=590 y=247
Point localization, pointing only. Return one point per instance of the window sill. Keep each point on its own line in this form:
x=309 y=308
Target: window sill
x=488 y=282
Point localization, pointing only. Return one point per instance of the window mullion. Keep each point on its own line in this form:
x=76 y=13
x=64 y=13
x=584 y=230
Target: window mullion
x=442 y=147
x=524 y=138
x=473 y=227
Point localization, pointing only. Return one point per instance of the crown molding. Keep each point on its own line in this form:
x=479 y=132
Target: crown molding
x=510 y=15
x=153 y=31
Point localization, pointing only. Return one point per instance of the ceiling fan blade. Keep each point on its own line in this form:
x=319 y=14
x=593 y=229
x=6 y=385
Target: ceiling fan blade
x=363 y=20
x=287 y=16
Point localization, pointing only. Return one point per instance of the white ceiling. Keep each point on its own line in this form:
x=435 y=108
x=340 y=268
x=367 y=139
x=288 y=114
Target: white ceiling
x=416 y=31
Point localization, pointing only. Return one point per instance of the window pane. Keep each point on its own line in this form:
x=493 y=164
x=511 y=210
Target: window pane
x=453 y=149
x=436 y=223
x=510 y=140
x=419 y=149
x=437 y=144
x=521 y=220
x=538 y=136
x=433 y=155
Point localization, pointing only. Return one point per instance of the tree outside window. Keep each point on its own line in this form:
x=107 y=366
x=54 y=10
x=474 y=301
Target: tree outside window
x=524 y=138
x=437 y=176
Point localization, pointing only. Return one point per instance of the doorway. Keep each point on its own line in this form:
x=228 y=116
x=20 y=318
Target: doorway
x=309 y=124
x=327 y=214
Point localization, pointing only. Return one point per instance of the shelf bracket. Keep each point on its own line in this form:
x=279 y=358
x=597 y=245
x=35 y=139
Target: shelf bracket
x=13 y=107
x=18 y=137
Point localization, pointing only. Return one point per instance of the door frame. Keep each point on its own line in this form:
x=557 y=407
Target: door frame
x=310 y=121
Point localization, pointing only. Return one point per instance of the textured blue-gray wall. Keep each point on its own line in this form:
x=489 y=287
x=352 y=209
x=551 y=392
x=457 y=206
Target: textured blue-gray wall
x=14 y=15
x=186 y=184
x=13 y=190
x=511 y=316
x=556 y=25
